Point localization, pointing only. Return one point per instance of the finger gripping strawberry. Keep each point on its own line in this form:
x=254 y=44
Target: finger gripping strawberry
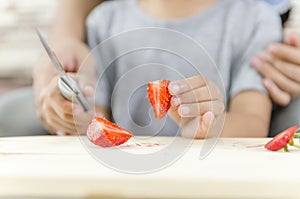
x=282 y=140
x=104 y=133
x=159 y=97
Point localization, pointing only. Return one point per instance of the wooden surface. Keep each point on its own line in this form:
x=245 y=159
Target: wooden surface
x=61 y=167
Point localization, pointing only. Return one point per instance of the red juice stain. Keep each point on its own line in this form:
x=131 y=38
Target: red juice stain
x=143 y=144
x=255 y=146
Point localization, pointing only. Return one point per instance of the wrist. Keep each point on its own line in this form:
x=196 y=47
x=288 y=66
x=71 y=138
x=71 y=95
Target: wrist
x=59 y=34
x=72 y=27
x=42 y=75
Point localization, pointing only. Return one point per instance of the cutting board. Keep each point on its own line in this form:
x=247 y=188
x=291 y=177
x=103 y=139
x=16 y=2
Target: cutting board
x=49 y=166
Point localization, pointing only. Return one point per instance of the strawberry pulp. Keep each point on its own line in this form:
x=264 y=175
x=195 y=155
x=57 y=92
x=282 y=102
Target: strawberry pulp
x=104 y=133
x=282 y=140
x=159 y=97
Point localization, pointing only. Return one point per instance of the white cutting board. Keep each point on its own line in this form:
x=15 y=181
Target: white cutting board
x=60 y=166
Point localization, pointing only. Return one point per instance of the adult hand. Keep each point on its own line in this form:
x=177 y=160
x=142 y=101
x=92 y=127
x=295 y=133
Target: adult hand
x=54 y=111
x=280 y=67
x=195 y=105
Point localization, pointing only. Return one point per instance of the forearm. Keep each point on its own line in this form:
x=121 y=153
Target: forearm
x=244 y=125
x=69 y=24
x=248 y=115
x=70 y=19
x=42 y=75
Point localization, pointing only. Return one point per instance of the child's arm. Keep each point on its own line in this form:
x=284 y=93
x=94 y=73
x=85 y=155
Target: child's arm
x=248 y=115
x=249 y=110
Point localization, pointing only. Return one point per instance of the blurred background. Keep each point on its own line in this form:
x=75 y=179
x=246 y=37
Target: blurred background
x=20 y=48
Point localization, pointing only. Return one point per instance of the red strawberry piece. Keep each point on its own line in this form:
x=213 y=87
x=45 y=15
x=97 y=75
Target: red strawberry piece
x=104 y=133
x=159 y=97
x=282 y=139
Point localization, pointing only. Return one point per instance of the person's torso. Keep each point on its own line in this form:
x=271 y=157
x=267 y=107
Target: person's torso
x=138 y=48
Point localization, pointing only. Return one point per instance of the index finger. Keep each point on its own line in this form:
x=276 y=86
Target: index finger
x=286 y=52
x=185 y=85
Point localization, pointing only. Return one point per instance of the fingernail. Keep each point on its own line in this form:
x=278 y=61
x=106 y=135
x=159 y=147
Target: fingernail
x=210 y=117
x=264 y=56
x=273 y=49
x=268 y=83
x=184 y=110
x=174 y=88
x=176 y=101
x=257 y=63
x=77 y=110
x=69 y=62
x=60 y=133
x=88 y=90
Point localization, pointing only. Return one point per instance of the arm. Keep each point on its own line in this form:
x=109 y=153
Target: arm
x=248 y=106
x=68 y=33
x=67 y=38
x=70 y=19
x=248 y=115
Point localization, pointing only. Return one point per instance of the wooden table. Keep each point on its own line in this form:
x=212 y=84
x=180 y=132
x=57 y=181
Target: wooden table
x=61 y=167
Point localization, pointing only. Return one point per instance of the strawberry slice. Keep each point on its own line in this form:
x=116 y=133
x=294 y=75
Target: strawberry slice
x=282 y=139
x=104 y=133
x=159 y=97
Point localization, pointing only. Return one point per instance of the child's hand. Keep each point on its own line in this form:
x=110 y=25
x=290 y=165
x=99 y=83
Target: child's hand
x=54 y=111
x=195 y=105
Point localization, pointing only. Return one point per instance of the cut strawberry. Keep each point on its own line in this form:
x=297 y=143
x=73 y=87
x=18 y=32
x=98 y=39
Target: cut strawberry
x=104 y=133
x=159 y=97
x=282 y=140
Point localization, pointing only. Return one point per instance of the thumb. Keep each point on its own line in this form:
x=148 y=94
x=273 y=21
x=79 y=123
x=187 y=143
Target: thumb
x=84 y=76
x=86 y=82
x=292 y=39
x=69 y=62
x=88 y=90
x=209 y=119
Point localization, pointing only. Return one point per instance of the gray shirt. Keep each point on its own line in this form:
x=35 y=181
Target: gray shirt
x=131 y=48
